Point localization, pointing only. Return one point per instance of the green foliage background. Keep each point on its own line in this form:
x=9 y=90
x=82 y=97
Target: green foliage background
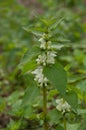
x=15 y=40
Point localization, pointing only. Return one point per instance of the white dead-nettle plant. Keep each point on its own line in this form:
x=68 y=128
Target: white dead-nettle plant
x=47 y=57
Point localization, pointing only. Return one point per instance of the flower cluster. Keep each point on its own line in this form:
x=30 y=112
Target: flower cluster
x=47 y=57
x=62 y=106
x=39 y=77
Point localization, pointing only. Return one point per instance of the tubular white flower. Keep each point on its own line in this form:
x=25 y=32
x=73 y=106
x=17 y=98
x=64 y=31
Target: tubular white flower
x=48 y=58
x=41 y=59
x=43 y=43
x=49 y=45
x=62 y=106
x=39 y=77
x=41 y=40
x=51 y=57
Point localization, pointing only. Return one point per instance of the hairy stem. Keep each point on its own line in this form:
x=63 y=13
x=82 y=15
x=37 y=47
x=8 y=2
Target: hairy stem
x=64 y=121
x=45 y=107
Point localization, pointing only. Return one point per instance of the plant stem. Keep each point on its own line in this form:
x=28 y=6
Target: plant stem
x=64 y=121
x=45 y=107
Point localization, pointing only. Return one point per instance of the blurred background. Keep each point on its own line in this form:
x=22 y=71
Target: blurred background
x=15 y=15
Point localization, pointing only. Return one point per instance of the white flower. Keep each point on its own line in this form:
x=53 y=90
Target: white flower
x=51 y=57
x=49 y=45
x=41 y=40
x=43 y=43
x=41 y=59
x=62 y=105
x=39 y=76
x=48 y=58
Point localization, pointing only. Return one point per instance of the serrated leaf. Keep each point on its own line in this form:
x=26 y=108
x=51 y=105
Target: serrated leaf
x=57 y=76
x=37 y=31
x=49 y=22
x=56 y=23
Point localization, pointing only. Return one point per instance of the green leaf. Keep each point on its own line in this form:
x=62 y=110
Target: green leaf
x=82 y=86
x=57 y=76
x=37 y=31
x=72 y=99
x=13 y=97
x=76 y=78
x=82 y=111
x=59 y=128
x=56 y=23
x=31 y=94
x=49 y=21
x=28 y=111
x=54 y=116
x=30 y=65
x=16 y=109
x=52 y=93
x=33 y=51
x=82 y=125
x=73 y=126
x=28 y=61
x=14 y=125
